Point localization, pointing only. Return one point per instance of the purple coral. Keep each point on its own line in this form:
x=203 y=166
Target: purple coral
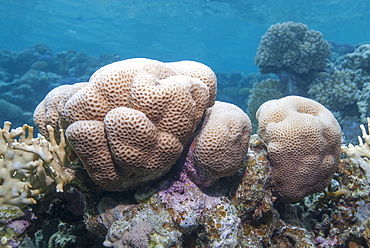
x=19 y=226
x=185 y=199
x=139 y=234
x=329 y=242
x=191 y=208
x=196 y=173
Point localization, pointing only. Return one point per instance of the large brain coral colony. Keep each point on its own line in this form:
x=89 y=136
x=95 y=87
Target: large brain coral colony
x=130 y=123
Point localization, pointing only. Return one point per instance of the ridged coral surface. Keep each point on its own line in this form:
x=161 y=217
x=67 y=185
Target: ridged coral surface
x=303 y=142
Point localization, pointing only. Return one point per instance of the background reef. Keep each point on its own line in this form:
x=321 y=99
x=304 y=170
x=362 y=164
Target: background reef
x=27 y=76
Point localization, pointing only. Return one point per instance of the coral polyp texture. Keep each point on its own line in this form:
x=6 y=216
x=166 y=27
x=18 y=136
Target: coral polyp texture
x=129 y=124
x=291 y=47
x=29 y=166
x=303 y=142
x=221 y=146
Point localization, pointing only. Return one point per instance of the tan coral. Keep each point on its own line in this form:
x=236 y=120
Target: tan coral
x=29 y=166
x=143 y=111
x=48 y=111
x=200 y=71
x=222 y=144
x=89 y=141
x=303 y=141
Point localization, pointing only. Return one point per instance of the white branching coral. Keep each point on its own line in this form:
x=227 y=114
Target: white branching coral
x=360 y=154
x=29 y=166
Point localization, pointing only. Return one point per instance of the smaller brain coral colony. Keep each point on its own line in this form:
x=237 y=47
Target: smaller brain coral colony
x=220 y=147
x=303 y=143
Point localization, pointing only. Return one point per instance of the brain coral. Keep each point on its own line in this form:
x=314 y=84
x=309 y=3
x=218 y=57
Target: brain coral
x=303 y=142
x=220 y=147
x=291 y=47
x=130 y=122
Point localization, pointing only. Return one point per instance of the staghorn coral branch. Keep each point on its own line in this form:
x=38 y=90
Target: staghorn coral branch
x=53 y=155
x=360 y=154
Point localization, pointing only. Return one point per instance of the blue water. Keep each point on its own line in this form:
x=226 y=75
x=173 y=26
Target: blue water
x=220 y=33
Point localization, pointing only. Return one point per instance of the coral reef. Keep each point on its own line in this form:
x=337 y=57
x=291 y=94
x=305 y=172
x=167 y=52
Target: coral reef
x=143 y=225
x=358 y=59
x=214 y=218
x=292 y=47
x=242 y=208
x=340 y=82
x=337 y=216
x=342 y=85
x=235 y=87
x=64 y=237
x=237 y=211
x=10 y=111
x=346 y=83
x=303 y=142
x=157 y=107
x=179 y=213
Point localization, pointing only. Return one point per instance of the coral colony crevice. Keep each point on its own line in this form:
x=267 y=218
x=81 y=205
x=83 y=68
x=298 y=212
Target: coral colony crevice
x=142 y=154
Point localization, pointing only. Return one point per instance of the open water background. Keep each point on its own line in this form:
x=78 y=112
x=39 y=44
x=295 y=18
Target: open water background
x=224 y=34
